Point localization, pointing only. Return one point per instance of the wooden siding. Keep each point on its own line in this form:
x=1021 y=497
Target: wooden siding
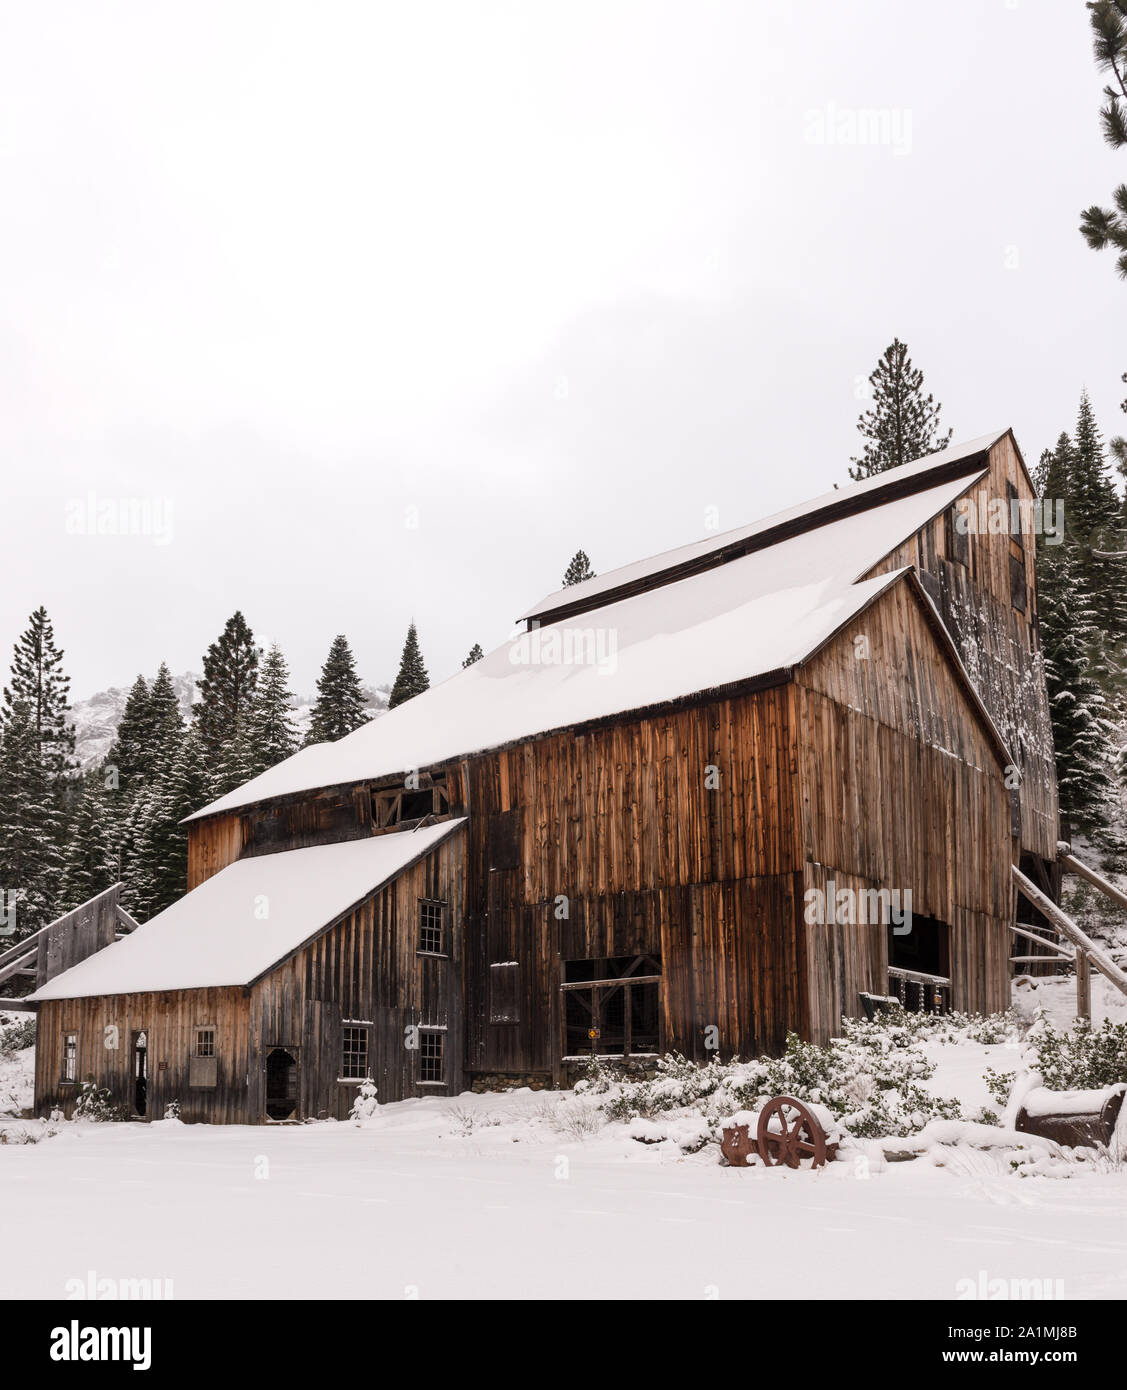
x=903 y=788
x=626 y=850
x=365 y=968
x=168 y=1020
x=212 y=845
x=998 y=642
x=368 y=970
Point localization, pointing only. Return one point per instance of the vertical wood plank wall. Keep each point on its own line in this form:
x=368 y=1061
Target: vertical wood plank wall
x=620 y=825
x=168 y=1019
x=902 y=788
x=366 y=968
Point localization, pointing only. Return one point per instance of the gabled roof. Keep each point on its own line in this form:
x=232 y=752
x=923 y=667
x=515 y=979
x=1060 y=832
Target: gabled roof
x=240 y=923
x=751 y=620
x=955 y=461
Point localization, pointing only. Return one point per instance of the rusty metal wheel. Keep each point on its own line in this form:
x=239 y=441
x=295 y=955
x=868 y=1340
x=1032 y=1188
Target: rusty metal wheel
x=788 y=1133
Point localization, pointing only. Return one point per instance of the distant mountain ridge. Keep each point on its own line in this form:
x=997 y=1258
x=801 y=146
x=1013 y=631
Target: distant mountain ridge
x=96 y=718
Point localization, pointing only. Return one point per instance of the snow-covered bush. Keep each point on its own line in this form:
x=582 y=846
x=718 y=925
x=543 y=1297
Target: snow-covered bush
x=16 y=1034
x=869 y=1079
x=172 y=1110
x=1081 y=1059
x=96 y=1103
x=365 y=1105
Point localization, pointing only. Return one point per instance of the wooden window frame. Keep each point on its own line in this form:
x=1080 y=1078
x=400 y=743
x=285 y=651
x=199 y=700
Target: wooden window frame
x=441 y=953
x=212 y=1041
x=64 y=1079
x=365 y=1054
x=387 y=802
x=434 y=1033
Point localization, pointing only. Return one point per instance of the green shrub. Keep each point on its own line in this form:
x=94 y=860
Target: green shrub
x=1082 y=1059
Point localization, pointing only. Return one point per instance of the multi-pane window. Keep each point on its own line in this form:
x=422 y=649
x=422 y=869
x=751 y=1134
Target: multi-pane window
x=430 y=1056
x=70 y=1056
x=430 y=926
x=205 y=1042
x=354 y=1065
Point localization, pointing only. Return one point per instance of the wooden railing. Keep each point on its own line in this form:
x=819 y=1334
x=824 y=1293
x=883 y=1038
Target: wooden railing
x=31 y=955
x=919 y=992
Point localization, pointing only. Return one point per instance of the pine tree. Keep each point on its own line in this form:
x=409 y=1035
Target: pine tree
x=1092 y=498
x=167 y=722
x=412 y=679
x=31 y=821
x=187 y=788
x=230 y=674
x=578 y=570
x=475 y=655
x=339 y=708
x=237 y=760
x=136 y=856
x=1081 y=728
x=1101 y=227
x=37 y=680
x=131 y=751
x=271 y=731
x=90 y=864
x=903 y=423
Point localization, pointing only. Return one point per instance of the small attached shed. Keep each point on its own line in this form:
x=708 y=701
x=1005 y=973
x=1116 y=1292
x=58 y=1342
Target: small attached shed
x=271 y=991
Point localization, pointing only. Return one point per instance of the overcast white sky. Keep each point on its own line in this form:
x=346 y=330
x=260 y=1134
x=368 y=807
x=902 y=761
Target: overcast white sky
x=553 y=274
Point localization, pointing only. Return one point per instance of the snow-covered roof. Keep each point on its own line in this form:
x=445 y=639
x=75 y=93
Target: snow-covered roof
x=244 y=919
x=760 y=614
x=868 y=492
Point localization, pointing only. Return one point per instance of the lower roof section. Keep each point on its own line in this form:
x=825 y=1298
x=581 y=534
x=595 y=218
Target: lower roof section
x=245 y=919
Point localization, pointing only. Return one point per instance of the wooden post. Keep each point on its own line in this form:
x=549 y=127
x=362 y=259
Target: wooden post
x=1083 y=986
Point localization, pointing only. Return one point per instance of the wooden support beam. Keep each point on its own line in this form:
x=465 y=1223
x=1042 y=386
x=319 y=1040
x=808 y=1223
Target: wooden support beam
x=1041 y=940
x=1068 y=928
x=1042 y=960
x=1097 y=880
x=1083 y=986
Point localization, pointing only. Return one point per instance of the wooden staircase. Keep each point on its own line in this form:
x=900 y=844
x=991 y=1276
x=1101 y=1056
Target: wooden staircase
x=1067 y=942
x=69 y=939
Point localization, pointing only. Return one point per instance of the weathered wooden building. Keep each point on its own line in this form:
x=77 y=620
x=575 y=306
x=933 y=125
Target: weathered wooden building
x=683 y=811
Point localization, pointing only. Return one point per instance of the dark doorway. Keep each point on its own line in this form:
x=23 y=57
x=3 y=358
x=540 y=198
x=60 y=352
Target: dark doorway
x=919 y=964
x=281 y=1085
x=140 y=1073
x=612 y=1007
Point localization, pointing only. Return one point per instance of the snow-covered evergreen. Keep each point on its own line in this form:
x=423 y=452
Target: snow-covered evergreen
x=412 y=679
x=340 y=706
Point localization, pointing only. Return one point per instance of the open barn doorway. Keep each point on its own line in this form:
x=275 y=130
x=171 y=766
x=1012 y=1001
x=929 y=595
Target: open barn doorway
x=611 y=1007
x=919 y=964
x=281 y=1084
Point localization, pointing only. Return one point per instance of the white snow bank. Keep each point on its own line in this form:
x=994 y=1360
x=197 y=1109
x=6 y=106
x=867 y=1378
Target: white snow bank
x=1041 y=1101
x=240 y=922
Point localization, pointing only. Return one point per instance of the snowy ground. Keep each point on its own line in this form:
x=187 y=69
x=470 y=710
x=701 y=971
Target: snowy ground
x=524 y=1195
